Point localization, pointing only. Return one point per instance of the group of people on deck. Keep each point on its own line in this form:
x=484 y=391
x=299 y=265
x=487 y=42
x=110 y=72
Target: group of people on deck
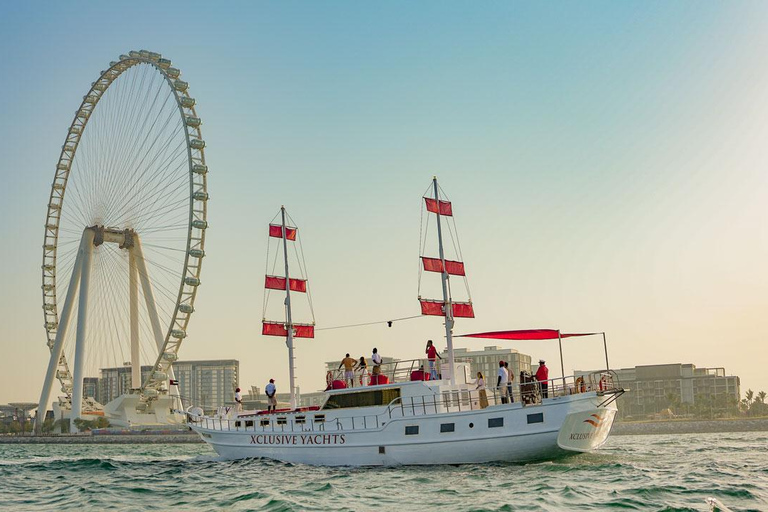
x=504 y=381
x=352 y=365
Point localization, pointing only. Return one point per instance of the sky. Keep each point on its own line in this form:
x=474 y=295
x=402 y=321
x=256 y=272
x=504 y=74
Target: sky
x=606 y=162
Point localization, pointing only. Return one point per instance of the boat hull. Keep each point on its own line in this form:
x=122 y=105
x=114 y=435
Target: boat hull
x=510 y=433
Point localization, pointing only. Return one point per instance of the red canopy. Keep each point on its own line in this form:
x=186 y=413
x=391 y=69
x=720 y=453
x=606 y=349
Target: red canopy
x=525 y=334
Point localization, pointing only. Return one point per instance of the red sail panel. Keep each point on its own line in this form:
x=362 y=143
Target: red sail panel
x=303 y=331
x=278 y=283
x=432 y=307
x=273 y=329
x=278 y=329
x=276 y=230
x=274 y=283
x=299 y=285
x=445 y=206
x=463 y=310
x=432 y=264
x=455 y=268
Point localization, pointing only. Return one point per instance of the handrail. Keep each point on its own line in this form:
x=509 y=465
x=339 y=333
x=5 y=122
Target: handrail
x=395 y=371
x=454 y=400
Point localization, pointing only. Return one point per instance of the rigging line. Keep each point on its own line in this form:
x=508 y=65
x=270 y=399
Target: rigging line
x=304 y=272
x=370 y=323
x=421 y=229
x=264 y=292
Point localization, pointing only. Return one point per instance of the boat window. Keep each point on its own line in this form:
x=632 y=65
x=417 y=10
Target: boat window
x=264 y=423
x=412 y=430
x=300 y=420
x=282 y=421
x=536 y=418
x=237 y=423
x=248 y=423
x=362 y=398
x=495 y=422
x=447 y=427
x=319 y=418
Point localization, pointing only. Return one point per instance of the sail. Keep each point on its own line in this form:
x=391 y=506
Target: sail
x=276 y=231
x=278 y=283
x=445 y=206
x=454 y=268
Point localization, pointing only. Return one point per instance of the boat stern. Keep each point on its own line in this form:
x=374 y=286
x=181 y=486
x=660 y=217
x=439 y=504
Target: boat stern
x=586 y=430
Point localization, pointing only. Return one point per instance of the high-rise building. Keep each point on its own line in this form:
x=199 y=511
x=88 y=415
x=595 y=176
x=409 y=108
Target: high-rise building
x=679 y=389
x=113 y=382
x=207 y=384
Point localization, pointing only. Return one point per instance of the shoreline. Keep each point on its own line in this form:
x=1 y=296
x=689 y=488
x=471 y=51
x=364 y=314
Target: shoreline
x=629 y=428
x=652 y=427
x=180 y=438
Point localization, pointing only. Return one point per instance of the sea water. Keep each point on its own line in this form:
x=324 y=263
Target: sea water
x=659 y=472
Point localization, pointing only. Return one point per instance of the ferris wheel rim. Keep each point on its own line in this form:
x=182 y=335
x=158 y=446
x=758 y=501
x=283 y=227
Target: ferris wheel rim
x=196 y=227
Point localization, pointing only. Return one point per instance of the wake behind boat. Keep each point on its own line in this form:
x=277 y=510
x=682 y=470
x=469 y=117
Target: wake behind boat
x=405 y=414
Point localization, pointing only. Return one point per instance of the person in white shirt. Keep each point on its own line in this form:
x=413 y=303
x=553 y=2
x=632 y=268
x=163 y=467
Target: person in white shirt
x=501 y=382
x=270 y=390
x=376 y=357
x=238 y=400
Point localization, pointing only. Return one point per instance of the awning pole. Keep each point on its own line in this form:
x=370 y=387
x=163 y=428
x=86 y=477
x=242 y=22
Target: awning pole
x=605 y=348
x=562 y=366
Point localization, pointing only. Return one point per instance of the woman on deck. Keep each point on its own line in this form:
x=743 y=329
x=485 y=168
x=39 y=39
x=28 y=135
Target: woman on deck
x=480 y=386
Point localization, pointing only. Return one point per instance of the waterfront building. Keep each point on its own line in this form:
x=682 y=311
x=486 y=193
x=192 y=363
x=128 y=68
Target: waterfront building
x=487 y=361
x=113 y=382
x=91 y=387
x=679 y=389
x=207 y=384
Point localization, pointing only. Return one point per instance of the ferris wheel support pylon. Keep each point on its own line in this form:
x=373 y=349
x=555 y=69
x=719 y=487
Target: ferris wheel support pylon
x=82 y=325
x=66 y=312
x=133 y=285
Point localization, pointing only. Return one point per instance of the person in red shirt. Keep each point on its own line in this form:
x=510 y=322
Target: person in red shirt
x=432 y=356
x=542 y=375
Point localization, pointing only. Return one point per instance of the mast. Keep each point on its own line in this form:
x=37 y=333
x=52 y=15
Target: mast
x=446 y=298
x=289 y=325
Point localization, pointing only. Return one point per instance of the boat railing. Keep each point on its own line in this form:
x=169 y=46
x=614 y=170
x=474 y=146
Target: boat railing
x=385 y=373
x=527 y=393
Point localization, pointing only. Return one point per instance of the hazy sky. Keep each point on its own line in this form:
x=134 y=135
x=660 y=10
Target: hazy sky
x=606 y=161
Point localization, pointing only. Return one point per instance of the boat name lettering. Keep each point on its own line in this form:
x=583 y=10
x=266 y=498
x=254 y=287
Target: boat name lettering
x=298 y=439
x=586 y=435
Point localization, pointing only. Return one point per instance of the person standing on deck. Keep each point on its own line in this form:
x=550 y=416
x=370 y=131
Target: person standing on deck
x=509 y=382
x=432 y=356
x=480 y=387
x=349 y=370
x=271 y=391
x=501 y=382
x=376 y=358
x=238 y=400
x=542 y=375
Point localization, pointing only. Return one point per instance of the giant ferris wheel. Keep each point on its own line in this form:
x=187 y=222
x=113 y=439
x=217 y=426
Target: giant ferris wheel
x=124 y=234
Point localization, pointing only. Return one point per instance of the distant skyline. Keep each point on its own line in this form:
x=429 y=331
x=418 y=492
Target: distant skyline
x=606 y=162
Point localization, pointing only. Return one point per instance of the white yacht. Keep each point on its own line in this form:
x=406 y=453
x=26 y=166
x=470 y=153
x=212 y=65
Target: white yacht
x=402 y=413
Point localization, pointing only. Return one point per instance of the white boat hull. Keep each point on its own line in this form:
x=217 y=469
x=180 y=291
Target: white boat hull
x=498 y=433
